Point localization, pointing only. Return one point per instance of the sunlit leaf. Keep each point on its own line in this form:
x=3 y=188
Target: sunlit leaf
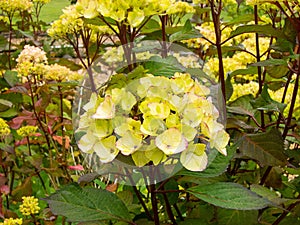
x=87 y=204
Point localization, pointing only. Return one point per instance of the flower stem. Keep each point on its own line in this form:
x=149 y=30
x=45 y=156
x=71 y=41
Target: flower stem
x=216 y=12
x=259 y=71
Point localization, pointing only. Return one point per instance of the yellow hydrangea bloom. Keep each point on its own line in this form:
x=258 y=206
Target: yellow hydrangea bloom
x=11 y=6
x=29 y=206
x=60 y=73
x=32 y=54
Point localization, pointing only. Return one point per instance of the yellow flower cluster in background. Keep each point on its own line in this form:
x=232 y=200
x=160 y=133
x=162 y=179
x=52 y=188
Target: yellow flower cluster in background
x=12 y=221
x=32 y=61
x=4 y=128
x=240 y=90
x=251 y=88
x=27 y=131
x=180 y=8
x=59 y=73
x=277 y=96
x=32 y=54
x=41 y=1
x=132 y=12
x=11 y=6
x=29 y=206
x=207 y=2
x=71 y=23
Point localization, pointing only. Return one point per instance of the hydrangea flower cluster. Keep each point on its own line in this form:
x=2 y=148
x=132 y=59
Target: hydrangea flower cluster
x=32 y=61
x=71 y=22
x=32 y=54
x=29 y=206
x=152 y=119
x=134 y=12
x=4 y=128
x=12 y=221
x=11 y=6
x=60 y=73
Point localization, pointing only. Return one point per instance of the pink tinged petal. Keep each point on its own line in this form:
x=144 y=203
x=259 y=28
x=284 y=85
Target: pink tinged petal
x=4 y=189
x=77 y=168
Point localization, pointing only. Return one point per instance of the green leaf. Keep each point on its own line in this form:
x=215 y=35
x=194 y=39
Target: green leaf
x=264 y=102
x=249 y=70
x=25 y=189
x=202 y=221
x=87 y=204
x=228 y=88
x=9 y=113
x=216 y=167
x=236 y=217
x=270 y=195
x=239 y=110
x=287 y=44
x=243 y=18
x=95 y=21
x=4 y=105
x=68 y=63
x=187 y=32
x=234 y=123
x=11 y=77
x=151 y=26
x=277 y=71
x=229 y=195
x=198 y=74
x=271 y=62
x=266 y=148
x=268 y=30
x=163 y=66
x=242 y=106
x=3 y=42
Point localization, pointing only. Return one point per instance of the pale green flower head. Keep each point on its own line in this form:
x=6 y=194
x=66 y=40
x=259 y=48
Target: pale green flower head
x=168 y=118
